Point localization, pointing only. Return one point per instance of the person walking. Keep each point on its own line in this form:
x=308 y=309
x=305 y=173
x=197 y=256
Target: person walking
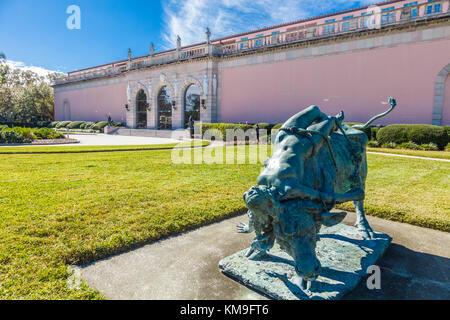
x=257 y=132
x=191 y=127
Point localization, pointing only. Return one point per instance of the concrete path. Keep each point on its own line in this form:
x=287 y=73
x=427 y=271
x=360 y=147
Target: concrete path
x=407 y=156
x=116 y=140
x=109 y=140
x=416 y=266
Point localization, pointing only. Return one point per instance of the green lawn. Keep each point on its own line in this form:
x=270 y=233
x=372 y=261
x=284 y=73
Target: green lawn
x=417 y=153
x=72 y=208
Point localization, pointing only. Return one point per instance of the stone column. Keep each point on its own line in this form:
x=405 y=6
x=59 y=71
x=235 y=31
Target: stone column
x=177 y=112
x=130 y=113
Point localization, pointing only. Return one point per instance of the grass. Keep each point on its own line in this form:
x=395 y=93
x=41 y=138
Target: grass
x=417 y=153
x=73 y=208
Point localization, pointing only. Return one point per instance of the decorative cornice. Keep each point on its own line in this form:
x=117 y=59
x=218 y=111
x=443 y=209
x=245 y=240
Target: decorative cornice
x=336 y=38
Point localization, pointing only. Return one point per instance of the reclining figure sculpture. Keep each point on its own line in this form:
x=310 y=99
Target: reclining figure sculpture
x=317 y=162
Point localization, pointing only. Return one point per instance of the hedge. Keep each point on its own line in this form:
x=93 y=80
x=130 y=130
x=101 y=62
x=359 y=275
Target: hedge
x=100 y=125
x=221 y=128
x=266 y=126
x=75 y=125
x=418 y=133
x=62 y=124
x=27 y=135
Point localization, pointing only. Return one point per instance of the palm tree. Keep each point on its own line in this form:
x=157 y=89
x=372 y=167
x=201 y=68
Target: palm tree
x=2 y=56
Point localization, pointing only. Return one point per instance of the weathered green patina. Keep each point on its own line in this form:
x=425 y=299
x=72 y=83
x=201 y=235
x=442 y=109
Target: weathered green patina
x=317 y=162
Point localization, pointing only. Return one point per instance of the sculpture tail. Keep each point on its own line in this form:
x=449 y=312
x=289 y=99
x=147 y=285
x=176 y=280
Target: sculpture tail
x=393 y=104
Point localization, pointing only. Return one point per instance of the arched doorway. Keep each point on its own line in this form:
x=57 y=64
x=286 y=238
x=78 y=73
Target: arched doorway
x=165 y=108
x=141 y=109
x=441 y=113
x=191 y=104
x=446 y=105
x=66 y=110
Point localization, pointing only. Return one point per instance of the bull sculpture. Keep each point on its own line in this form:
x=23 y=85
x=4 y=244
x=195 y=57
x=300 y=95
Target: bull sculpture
x=317 y=162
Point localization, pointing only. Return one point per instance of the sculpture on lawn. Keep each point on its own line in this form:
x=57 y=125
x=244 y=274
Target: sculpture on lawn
x=317 y=162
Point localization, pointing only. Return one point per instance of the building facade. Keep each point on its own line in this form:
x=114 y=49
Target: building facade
x=351 y=60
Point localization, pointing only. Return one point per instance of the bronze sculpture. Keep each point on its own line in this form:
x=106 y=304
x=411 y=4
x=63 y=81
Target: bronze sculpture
x=317 y=162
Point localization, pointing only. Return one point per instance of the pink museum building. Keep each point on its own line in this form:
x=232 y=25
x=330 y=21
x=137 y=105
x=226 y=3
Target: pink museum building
x=351 y=60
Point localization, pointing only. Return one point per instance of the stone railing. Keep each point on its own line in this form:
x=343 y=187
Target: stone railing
x=369 y=20
x=90 y=74
x=372 y=19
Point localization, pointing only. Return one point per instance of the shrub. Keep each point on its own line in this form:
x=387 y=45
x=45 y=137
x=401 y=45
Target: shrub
x=265 y=126
x=223 y=127
x=89 y=125
x=63 y=124
x=100 y=125
x=409 y=145
x=53 y=124
x=75 y=124
x=47 y=133
x=10 y=136
x=429 y=147
x=447 y=128
x=43 y=124
x=447 y=147
x=390 y=145
x=417 y=133
x=26 y=133
x=118 y=124
x=374 y=132
x=3 y=126
x=373 y=144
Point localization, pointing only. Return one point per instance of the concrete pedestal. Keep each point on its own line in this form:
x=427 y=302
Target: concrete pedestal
x=343 y=253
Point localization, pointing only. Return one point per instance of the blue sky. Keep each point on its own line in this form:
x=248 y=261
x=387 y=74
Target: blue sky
x=34 y=32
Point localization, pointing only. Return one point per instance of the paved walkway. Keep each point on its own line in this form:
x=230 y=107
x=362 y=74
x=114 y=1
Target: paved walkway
x=415 y=266
x=111 y=140
x=407 y=156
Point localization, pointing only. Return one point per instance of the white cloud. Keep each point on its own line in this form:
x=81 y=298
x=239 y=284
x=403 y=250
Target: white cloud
x=22 y=66
x=189 y=18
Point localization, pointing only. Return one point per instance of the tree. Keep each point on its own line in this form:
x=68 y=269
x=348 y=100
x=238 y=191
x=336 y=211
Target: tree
x=2 y=56
x=25 y=97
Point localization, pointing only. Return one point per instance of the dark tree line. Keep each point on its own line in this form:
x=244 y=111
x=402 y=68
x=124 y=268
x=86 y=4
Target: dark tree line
x=25 y=97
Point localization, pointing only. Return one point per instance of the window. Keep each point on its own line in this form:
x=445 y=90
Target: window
x=141 y=109
x=191 y=104
x=165 y=109
x=244 y=43
x=329 y=28
x=413 y=10
x=259 y=40
x=275 y=36
x=437 y=8
x=433 y=8
x=388 y=18
x=365 y=22
x=346 y=25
